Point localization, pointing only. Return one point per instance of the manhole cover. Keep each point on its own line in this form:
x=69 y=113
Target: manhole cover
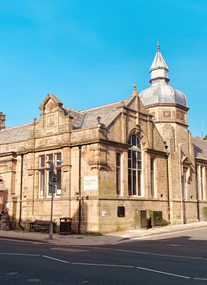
x=12 y=273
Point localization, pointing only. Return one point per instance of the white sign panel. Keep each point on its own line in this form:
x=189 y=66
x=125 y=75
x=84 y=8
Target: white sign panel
x=103 y=213
x=90 y=183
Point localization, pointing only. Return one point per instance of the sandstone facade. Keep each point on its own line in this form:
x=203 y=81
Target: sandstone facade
x=123 y=154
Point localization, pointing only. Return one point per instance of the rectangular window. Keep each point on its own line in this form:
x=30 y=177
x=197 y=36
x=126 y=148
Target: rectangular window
x=152 y=176
x=118 y=173
x=58 y=172
x=198 y=182
x=41 y=176
x=202 y=184
x=184 y=185
x=49 y=174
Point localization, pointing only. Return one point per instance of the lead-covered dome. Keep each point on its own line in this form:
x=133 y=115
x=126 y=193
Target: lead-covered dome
x=160 y=91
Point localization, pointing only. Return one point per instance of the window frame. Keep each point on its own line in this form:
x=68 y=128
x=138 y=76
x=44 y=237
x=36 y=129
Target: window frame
x=135 y=159
x=119 y=175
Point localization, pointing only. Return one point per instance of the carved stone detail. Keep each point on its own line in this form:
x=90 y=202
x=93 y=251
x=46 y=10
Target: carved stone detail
x=166 y=114
x=50 y=121
x=153 y=114
x=180 y=116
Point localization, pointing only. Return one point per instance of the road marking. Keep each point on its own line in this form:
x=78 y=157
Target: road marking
x=97 y=264
x=24 y=254
x=200 y=278
x=176 y=256
x=165 y=273
x=60 y=260
x=130 y=251
x=34 y=280
x=159 y=254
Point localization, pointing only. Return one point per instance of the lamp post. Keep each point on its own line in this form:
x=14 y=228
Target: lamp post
x=52 y=184
x=181 y=192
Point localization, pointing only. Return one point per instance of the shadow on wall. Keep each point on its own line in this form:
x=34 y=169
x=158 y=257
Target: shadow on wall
x=80 y=218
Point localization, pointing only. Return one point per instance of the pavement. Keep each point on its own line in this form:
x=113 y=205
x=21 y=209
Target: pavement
x=93 y=240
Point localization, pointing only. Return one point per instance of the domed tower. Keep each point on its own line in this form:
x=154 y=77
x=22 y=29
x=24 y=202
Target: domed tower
x=165 y=103
x=168 y=107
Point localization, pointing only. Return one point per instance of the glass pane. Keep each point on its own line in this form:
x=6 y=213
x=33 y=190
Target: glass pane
x=152 y=184
x=134 y=159
x=58 y=157
x=134 y=140
x=118 y=181
x=42 y=161
x=129 y=163
x=49 y=158
x=139 y=155
x=134 y=183
x=59 y=178
x=129 y=154
x=129 y=182
x=139 y=184
x=130 y=140
x=118 y=159
x=42 y=182
x=139 y=165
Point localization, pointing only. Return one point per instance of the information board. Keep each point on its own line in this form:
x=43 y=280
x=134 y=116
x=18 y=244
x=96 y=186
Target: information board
x=90 y=183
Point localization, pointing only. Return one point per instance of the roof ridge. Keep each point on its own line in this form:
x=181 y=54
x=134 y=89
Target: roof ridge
x=84 y=110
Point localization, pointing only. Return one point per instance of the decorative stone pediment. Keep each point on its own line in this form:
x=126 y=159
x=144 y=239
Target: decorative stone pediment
x=54 y=118
x=50 y=103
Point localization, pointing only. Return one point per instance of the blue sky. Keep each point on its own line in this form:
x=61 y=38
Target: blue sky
x=90 y=53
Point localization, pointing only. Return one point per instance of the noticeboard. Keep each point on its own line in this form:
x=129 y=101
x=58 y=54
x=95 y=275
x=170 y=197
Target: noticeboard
x=90 y=183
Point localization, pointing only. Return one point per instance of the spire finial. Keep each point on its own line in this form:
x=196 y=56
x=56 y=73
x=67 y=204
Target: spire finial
x=135 y=86
x=158 y=46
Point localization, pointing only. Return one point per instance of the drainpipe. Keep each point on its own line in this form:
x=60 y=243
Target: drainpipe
x=79 y=198
x=21 y=182
x=168 y=190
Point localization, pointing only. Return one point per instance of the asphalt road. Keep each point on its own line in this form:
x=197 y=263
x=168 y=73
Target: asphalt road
x=170 y=259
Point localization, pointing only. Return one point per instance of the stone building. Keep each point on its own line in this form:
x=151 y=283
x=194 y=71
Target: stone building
x=110 y=161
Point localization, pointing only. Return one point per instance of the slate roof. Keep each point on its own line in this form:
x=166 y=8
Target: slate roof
x=15 y=134
x=200 y=148
x=81 y=119
x=105 y=112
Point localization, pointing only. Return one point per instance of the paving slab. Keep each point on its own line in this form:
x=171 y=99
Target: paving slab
x=91 y=240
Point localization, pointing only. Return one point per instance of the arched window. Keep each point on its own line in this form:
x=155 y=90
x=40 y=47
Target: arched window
x=134 y=166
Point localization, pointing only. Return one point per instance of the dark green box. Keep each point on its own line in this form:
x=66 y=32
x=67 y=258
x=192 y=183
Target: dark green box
x=156 y=218
x=140 y=219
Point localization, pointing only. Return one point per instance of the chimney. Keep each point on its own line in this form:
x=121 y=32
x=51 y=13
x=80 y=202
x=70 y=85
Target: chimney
x=2 y=121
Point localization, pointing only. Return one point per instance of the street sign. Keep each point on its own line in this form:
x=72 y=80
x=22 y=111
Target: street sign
x=51 y=189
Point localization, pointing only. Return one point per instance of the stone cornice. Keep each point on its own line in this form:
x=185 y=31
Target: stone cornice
x=167 y=105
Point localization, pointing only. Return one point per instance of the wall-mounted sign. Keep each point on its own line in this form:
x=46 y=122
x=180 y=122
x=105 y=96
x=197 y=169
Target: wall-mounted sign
x=7 y=205
x=90 y=183
x=103 y=213
x=1 y=200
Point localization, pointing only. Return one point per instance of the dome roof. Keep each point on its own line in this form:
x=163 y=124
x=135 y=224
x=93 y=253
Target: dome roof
x=160 y=91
